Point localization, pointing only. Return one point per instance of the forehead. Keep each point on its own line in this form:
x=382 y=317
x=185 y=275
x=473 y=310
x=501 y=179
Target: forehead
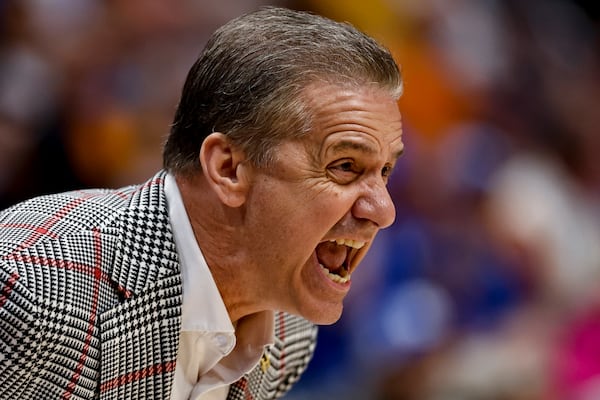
x=348 y=118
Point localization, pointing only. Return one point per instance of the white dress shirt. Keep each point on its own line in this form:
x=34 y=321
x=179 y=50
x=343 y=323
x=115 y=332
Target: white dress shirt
x=211 y=353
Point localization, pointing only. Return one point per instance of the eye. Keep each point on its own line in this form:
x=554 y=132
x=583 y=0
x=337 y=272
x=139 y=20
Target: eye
x=386 y=171
x=344 y=171
x=346 y=166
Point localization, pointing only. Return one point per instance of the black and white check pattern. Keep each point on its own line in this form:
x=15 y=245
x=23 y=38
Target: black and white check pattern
x=90 y=302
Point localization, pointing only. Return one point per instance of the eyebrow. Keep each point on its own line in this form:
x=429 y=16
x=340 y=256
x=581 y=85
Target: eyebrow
x=399 y=153
x=365 y=148
x=351 y=145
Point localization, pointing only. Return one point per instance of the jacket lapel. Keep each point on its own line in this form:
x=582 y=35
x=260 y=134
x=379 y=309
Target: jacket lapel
x=139 y=336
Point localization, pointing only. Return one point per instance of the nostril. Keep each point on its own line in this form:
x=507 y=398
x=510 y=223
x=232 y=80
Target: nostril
x=376 y=207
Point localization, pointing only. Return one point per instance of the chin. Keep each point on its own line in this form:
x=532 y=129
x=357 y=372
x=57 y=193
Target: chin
x=323 y=315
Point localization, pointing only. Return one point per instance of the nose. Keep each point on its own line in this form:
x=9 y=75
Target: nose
x=375 y=204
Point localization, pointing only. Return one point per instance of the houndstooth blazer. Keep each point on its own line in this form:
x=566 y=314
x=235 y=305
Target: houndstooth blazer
x=90 y=302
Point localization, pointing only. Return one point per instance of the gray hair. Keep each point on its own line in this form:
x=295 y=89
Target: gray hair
x=249 y=80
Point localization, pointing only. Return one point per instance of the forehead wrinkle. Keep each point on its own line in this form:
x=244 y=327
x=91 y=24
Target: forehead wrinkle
x=350 y=118
x=356 y=120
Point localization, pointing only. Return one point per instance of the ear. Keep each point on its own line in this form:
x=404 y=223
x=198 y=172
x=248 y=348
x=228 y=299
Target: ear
x=224 y=169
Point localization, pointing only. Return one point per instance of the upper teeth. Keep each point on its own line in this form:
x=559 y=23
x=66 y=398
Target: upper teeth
x=349 y=242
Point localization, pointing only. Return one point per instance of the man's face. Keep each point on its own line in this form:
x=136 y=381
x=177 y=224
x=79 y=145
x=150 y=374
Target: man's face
x=316 y=211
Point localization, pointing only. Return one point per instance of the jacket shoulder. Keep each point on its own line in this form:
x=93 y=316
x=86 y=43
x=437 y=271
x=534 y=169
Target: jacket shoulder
x=64 y=214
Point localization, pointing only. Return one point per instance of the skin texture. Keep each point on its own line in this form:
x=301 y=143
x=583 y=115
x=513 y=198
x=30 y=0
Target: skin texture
x=258 y=228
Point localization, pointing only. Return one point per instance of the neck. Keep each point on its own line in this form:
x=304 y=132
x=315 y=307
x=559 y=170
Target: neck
x=220 y=233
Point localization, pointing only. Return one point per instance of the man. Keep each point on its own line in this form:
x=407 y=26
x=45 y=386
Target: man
x=199 y=283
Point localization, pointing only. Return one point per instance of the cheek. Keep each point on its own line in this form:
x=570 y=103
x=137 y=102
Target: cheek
x=303 y=210
x=301 y=222
x=324 y=207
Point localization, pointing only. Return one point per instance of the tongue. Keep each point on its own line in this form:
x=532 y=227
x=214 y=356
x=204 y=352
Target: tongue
x=331 y=255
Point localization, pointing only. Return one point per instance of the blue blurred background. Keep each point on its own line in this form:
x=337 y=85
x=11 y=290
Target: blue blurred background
x=487 y=286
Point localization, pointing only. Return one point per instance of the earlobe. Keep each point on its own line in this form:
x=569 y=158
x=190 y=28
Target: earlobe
x=224 y=169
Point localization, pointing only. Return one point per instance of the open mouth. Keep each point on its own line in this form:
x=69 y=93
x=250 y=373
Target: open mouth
x=335 y=257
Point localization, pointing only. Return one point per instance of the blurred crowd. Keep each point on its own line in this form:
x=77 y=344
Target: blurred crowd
x=486 y=287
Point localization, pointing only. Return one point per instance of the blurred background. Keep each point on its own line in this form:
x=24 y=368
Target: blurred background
x=488 y=285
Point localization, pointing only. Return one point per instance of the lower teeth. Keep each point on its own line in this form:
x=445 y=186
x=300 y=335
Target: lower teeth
x=334 y=277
